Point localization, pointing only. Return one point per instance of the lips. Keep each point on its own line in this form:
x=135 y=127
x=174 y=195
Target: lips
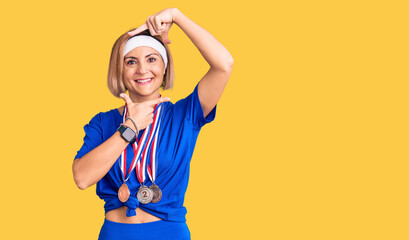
x=143 y=80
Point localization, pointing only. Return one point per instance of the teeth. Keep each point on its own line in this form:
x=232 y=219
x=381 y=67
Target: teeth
x=146 y=80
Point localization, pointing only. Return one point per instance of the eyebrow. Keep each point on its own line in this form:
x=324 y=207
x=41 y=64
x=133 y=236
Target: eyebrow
x=145 y=56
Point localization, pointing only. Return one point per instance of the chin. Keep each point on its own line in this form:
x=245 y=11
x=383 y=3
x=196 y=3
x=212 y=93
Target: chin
x=147 y=91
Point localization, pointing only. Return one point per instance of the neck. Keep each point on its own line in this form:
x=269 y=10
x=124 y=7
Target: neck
x=136 y=98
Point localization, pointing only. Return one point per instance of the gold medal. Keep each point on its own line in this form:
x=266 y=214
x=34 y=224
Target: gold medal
x=144 y=195
x=123 y=193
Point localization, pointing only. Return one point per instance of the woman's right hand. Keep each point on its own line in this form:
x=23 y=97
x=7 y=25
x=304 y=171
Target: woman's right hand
x=159 y=24
x=141 y=113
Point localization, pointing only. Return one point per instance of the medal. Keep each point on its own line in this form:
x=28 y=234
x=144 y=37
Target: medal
x=124 y=193
x=144 y=195
x=157 y=193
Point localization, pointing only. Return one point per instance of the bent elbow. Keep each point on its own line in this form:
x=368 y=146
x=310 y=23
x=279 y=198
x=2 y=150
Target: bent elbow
x=225 y=64
x=81 y=185
x=228 y=64
x=77 y=178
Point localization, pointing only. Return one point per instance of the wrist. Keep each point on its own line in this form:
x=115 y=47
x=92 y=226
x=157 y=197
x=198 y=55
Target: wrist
x=134 y=124
x=130 y=124
x=176 y=15
x=127 y=133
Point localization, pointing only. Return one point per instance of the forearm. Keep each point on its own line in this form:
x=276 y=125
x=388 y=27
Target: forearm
x=94 y=165
x=212 y=50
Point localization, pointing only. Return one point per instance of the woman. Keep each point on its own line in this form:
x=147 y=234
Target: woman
x=139 y=154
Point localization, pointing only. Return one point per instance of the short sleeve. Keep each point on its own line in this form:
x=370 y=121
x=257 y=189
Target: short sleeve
x=191 y=109
x=93 y=136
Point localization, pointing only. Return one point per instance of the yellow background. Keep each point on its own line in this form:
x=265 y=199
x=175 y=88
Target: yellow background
x=310 y=139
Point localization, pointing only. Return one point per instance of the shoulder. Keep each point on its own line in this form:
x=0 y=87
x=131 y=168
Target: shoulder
x=106 y=116
x=120 y=110
x=189 y=110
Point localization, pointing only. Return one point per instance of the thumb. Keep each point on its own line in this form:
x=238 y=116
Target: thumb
x=165 y=33
x=126 y=98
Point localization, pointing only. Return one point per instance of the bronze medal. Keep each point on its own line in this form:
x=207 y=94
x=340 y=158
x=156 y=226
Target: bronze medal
x=123 y=193
x=157 y=193
x=144 y=195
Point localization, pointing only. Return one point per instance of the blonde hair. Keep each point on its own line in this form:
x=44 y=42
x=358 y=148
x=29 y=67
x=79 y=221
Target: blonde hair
x=115 y=80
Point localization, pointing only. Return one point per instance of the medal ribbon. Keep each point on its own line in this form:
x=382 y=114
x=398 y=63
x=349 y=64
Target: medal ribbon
x=137 y=149
x=141 y=165
x=152 y=171
x=132 y=203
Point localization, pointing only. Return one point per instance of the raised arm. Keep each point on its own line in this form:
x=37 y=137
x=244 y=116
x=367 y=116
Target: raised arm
x=212 y=84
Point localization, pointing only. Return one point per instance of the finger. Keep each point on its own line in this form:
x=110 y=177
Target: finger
x=141 y=28
x=165 y=37
x=151 y=22
x=159 y=26
x=126 y=98
x=151 y=28
x=166 y=32
x=155 y=21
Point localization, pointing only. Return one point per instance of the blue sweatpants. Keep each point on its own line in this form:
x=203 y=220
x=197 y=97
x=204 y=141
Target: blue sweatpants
x=163 y=230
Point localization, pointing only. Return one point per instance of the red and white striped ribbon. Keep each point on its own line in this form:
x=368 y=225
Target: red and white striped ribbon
x=152 y=171
x=137 y=149
x=141 y=165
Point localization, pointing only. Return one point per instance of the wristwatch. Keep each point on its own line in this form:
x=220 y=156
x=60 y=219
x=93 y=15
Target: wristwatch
x=127 y=133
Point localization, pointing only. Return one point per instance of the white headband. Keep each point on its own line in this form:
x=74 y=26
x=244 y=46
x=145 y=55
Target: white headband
x=146 y=41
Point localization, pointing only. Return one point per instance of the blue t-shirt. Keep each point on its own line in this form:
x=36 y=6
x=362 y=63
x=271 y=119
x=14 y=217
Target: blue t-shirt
x=179 y=129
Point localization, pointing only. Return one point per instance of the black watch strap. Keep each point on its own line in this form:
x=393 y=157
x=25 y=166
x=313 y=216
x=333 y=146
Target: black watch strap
x=127 y=133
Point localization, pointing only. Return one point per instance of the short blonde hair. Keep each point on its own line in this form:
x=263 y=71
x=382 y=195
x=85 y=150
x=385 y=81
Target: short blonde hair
x=115 y=76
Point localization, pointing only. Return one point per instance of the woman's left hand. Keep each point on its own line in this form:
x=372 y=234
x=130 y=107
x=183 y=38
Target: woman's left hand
x=158 y=24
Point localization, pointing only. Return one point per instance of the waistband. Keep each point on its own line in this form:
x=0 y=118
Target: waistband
x=148 y=231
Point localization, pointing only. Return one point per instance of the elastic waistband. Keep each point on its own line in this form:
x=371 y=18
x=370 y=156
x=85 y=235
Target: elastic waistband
x=137 y=226
x=151 y=230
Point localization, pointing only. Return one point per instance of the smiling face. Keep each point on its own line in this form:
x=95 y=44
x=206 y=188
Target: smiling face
x=143 y=73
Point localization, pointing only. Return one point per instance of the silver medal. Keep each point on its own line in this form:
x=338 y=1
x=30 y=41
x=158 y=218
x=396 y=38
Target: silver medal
x=144 y=195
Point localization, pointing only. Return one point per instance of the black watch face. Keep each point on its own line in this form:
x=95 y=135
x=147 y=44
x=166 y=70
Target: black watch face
x=128 y=134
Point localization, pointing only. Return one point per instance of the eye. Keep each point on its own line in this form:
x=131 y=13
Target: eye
x=151 y=59
x=130 y=62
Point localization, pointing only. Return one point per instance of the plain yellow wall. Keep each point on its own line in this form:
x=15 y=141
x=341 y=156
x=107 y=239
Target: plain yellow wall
x=310 y=139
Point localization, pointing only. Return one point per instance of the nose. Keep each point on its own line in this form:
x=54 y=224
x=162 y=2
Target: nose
x=142 y=68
